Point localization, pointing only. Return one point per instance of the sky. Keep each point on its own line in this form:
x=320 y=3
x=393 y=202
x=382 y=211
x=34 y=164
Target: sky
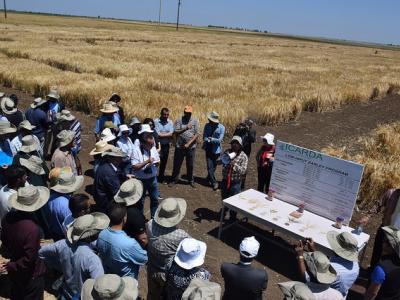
x=359 y=20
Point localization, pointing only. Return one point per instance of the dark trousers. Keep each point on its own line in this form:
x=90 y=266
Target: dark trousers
x=151 y=186
x=179 y=155
x=211 y=160
x=33 y=290
x=264 y=178
x=378 y=246
x=163 y=160
x=234 y=189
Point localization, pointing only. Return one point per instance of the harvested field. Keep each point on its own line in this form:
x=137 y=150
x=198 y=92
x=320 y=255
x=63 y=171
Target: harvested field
x=269 y=79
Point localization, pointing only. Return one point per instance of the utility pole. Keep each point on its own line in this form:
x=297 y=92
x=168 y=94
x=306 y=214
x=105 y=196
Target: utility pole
x=177 y=19
x=5 y=9
x=159 y=14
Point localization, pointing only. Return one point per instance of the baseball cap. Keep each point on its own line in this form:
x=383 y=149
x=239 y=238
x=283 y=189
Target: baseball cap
x=249 y=247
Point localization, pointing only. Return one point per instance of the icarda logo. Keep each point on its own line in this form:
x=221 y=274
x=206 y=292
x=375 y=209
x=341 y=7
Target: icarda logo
x=300 y=151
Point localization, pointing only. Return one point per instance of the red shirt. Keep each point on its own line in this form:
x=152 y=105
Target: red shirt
x=264 y=155
x=20 y=235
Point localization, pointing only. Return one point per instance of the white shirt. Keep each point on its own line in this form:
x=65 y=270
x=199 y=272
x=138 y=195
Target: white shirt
x=5 y=206
x=126 y=145
x=321 y=292
x=395 y=221
x=347 y=273
x=140 y=157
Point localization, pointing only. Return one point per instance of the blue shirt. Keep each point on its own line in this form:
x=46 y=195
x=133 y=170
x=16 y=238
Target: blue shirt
x=213 y=138
x=37 y=117
x=120 y=254
x=104 y=118
x=164 y=127
x=57 y=211
x=347 y=273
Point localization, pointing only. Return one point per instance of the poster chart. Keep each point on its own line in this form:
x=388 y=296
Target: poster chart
x=328 y=186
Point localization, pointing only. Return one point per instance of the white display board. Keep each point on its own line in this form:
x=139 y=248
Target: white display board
x=327 y=185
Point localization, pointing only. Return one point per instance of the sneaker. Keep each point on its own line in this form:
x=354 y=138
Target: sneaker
x=172 y=184
x=215 y=186
x=192 y=184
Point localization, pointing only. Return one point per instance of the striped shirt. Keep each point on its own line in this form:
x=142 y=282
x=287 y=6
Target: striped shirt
x=76 y=127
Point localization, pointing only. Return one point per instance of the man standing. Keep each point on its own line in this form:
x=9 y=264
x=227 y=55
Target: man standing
x=242 y=281
x=109 y=114
x=213 y=135
x=37 y=116
x=63 y=156
x=234 y=170
x=117 y=99
x=165 y=130
x=21 y=237
x=164 y=239
x=120 y=254
x=187 y=131
x=25 y=128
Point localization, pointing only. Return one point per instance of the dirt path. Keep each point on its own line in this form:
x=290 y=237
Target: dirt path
x=312 y=130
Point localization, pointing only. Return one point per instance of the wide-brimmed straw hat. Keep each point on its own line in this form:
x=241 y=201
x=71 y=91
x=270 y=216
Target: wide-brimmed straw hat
x=213 y=117
x=134 y=121
x=111 y=287
x=343 y=244
x=130 y=192
x=392 y=234
x=25 y=124
x=53 y=94
x=29 y=198
x=87 y=226
x=107 y=135
x=319 y=266
x=6 y=127
x=8 y=106
x=38 y=102
x=55 y=173
x=269 y=138
x=145 y=128
x=29 y=144
x=170 y=212
x=190 y=253
x=109 y=108
x=238 y=139
x=200 y=289
x=100 y=147
x=114 y=152
x=65 y=138
x=68 y=183
x=33 y=164
x=295 y=290
x=65 y=115
x=2 y=94
x=124 y=128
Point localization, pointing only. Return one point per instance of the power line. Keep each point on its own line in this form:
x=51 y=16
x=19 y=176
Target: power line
x=177 y=18
x=5 y=9
x=159 y=13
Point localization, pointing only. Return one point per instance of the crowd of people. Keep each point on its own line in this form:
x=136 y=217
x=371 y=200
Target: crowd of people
x=100 y=245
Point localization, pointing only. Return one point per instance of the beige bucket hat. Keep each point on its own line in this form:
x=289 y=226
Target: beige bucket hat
x=213 y=117
x=29 y=144
x=170 y=212
x=200 y=289
x=68 y=183
x=100 y=147
x=54 y=95
x=110 y=286
x=107 y=135
x=238 y=139
x=130 y=192
x=319 y=266
x=115 y=152
x=8 y=106
x=55 y=173
x=343 y=244
x=38 y=102
x=134 y=121
x=65 y=138
x=190 y=253
x=109 y=108
x=33 y=164
x=65 y=115
x=295 y=290
x=87 y=226
x=29 y=198
x=393 y=236
x=6 y=127
x=25 y=124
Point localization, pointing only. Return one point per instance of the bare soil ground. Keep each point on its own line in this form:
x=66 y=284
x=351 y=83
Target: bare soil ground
x=313 y=130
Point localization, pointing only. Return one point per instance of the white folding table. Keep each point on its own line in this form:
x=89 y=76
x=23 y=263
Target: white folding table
x=274 y=214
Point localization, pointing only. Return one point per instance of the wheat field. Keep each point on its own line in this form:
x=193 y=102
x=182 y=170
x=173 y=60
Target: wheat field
x=239 y=75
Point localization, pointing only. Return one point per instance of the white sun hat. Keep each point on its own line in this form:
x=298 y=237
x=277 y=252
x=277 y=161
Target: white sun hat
x=107 y=135
x=190 y=253
x=145 y=128
x=249 y=247
x=269 y=137
x=123 y=128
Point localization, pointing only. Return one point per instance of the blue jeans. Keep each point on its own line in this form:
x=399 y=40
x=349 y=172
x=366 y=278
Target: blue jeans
x=151 y=186
x=211 y=160
x=234 y=189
